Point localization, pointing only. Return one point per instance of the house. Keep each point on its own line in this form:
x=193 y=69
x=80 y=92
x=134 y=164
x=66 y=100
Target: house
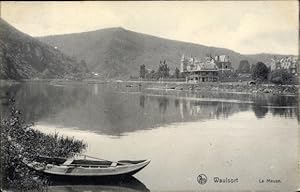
x=206 y=70
x=288 y=63
x=223 y=63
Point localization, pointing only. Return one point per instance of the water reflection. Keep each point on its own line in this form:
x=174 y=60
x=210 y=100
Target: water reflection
x=223 y=141
x=109 y=110
x=97 y=184
x=40 y=100
x=260 y=111
x=176 y=103
x=163 y=103
x=289 y=112
x=142 y=101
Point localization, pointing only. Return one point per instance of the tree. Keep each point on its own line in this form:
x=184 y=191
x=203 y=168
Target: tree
x=260 y=72
x=151 y=75
x=177 y=73
x=163 y=70
x=143 y=71
x=160 y=70
x=252 y=67
x=244 y=67
x=281 y=76
x=84 y=66
x=166 y=70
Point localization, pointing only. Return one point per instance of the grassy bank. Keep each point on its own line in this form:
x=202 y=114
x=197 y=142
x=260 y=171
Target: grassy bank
x=18 y=141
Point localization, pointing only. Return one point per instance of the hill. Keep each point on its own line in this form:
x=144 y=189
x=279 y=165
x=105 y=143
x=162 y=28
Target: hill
x=118 y=53
x=24 y=57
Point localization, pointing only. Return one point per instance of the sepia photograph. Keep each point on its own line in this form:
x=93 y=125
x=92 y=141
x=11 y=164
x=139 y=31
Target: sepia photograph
x=160 y=96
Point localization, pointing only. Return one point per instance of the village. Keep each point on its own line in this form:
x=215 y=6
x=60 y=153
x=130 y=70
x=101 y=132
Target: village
x=219 y=69
x=277 y=77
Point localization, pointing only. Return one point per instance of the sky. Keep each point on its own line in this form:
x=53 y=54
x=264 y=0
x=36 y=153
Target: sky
x=248 y=27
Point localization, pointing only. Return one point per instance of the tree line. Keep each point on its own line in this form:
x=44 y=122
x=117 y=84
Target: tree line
x=162 y=72
x=258 y=72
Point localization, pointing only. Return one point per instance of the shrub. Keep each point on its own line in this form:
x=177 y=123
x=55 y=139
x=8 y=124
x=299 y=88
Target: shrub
x=18 y=141
x=282 y=76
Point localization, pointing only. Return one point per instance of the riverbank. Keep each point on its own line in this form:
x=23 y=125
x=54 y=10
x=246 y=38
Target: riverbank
x=232 y=87
x=18 y=141
x=224 y=87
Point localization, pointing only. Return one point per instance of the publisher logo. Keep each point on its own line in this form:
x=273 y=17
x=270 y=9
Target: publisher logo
x=202 y=179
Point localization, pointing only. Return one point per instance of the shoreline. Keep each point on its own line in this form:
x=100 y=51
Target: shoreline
x=223 y=87
x=217 y=87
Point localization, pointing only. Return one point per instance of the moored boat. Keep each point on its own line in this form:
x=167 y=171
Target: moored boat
x=85 y=167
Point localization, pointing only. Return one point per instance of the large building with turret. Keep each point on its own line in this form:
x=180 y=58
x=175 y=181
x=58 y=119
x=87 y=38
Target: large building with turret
x=204 y=70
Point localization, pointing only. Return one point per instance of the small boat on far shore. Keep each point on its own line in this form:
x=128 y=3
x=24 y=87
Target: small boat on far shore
x=85 y=167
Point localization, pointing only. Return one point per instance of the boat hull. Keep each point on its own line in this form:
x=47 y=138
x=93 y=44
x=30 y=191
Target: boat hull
x=81 y=172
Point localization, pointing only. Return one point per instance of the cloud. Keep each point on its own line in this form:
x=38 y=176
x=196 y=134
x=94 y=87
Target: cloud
x=247 y=27
x=270 y=33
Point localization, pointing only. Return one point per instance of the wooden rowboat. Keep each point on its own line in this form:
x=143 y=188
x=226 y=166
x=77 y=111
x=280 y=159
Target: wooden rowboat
x=84 y=167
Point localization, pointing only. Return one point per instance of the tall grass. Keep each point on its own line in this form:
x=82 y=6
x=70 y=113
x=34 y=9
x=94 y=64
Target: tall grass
x=18 y=141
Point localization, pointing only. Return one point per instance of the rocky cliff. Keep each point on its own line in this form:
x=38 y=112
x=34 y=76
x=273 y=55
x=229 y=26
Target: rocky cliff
x=24 y=57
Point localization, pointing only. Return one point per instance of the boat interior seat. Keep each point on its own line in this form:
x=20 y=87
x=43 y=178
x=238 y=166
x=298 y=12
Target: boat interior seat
x=130 y=162
x=91 y=162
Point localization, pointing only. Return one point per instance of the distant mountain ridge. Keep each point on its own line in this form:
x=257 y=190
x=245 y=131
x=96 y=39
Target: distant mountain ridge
x=24 y=57
x=117 y=52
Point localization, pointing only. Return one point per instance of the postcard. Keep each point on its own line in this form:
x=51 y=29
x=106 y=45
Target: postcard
x=149 y=96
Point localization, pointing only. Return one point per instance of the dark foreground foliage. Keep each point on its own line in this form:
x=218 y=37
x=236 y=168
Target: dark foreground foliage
x=18 y=141
x=283 y=76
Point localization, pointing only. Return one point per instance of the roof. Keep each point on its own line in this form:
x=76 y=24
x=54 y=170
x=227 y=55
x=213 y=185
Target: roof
x=208 y=66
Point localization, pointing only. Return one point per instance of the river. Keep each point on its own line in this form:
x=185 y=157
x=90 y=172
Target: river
x=235 y=136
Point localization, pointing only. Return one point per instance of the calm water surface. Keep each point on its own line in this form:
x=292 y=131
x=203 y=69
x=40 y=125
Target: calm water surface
x=183 y=133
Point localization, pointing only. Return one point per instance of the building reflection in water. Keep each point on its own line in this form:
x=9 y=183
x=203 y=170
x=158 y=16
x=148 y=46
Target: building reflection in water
x=101 y=108
x=206 y=109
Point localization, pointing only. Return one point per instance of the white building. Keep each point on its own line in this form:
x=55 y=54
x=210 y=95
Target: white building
x=197 y=70
x=288 y=63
